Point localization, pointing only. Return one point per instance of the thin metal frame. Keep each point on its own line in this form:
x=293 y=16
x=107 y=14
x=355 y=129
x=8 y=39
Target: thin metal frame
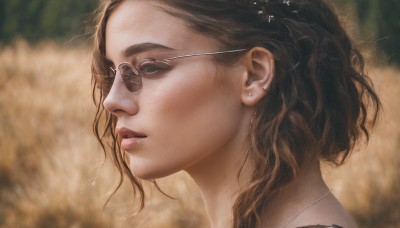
x=183 y=56
x=137 y=84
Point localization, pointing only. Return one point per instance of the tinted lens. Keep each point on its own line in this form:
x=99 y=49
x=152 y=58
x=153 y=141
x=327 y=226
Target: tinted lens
x=131 y=77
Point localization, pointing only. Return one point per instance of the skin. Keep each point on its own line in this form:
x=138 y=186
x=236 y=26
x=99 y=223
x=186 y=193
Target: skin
x=174 y=103
x=196 y=116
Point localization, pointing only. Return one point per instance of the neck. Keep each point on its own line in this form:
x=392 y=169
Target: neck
x=290 y=201
x=219 y=184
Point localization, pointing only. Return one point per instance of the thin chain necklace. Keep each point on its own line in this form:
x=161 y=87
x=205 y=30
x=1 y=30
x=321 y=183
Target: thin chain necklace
x=306 y=208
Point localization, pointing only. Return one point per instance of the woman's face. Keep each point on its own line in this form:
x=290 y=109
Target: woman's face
x=181 y=115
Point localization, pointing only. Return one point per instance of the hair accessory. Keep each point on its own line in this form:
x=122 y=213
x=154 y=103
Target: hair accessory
x=255 y=2
x=262 y=4
x=287 y=2
x=264 y=8
x=270 y=18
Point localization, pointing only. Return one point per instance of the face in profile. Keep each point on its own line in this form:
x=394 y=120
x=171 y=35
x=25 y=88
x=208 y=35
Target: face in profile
x=186 y=114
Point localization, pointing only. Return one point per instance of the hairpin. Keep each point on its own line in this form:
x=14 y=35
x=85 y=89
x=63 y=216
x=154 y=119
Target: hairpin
x=270 y=18
x=263 y=5
x=287 y=2
x=255 y=2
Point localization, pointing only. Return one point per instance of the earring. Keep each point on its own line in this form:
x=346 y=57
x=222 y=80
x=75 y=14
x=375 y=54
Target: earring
x=267 y=92
x=250 y=94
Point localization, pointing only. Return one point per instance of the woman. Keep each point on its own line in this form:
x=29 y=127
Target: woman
x=248 y=97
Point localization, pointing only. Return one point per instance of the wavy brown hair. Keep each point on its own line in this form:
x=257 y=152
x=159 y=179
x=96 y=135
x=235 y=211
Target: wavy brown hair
x=320 y=103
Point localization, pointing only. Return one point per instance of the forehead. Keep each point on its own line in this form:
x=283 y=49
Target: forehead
x=137 y=21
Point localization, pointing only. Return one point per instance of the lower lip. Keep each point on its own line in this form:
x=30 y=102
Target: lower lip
x=128 y=144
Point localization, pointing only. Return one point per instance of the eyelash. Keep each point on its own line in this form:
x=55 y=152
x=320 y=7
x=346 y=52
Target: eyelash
x=155 y=66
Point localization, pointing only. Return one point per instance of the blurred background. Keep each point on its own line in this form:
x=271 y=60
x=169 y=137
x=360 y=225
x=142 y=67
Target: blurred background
x=53 y=173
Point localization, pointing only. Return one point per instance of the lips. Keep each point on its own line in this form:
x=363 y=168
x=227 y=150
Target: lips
x=130 y=139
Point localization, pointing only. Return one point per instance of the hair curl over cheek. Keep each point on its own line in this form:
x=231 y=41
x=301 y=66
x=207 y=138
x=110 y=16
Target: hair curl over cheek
x=321 y=101
x=104 y=122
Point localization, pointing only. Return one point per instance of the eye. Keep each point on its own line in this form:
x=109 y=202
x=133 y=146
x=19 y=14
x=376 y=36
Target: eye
x=152 y=67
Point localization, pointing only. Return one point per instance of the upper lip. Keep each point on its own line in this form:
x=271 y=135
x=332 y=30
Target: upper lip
x=127 y=133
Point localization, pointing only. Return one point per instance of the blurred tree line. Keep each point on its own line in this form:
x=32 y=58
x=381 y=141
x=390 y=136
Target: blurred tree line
x=60 y=20
x=50 y=19
x=379 y=23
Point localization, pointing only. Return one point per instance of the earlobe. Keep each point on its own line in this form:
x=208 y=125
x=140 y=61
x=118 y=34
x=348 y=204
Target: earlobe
x=259 y=75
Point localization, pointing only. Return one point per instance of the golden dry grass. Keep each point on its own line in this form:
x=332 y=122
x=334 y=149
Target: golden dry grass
x=369 y=183
x=53 y=174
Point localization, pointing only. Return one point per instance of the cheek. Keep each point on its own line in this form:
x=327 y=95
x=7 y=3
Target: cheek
x=192 y=94
x=193 y=104
x=190 y=116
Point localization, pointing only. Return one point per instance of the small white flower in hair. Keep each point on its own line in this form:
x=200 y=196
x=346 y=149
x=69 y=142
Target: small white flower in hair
x=270 y=18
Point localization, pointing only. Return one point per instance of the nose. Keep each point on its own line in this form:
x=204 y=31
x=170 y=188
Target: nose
x=119 y=101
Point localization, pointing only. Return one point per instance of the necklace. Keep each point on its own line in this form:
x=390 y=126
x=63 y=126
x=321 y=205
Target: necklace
x=306 y=208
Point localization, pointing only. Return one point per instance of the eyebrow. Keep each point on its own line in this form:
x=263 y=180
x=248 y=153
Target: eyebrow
x=143 y=47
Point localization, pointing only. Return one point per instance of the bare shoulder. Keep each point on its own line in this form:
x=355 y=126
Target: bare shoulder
x=328 y=213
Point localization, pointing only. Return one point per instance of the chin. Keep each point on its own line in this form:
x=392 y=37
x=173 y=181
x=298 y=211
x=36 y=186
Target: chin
x=149 y=172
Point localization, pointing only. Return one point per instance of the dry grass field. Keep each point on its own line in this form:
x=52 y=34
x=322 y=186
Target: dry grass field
x=53 y=173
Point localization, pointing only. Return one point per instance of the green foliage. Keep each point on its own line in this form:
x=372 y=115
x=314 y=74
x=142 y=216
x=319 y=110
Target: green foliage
x=380 y=22
x=388 y=29
x=38 y=19
x=61 y=20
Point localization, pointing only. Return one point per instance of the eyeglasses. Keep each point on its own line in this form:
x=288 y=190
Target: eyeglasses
x=132 y=76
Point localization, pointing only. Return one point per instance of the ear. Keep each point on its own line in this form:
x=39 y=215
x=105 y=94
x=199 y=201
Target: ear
x=260 y=66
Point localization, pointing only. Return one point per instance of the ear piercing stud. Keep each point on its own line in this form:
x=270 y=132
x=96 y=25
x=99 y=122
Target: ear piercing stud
x=250 y=94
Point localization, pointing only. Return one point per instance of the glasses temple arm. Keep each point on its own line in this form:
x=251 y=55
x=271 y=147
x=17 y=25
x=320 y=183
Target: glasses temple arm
x=200 y=54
